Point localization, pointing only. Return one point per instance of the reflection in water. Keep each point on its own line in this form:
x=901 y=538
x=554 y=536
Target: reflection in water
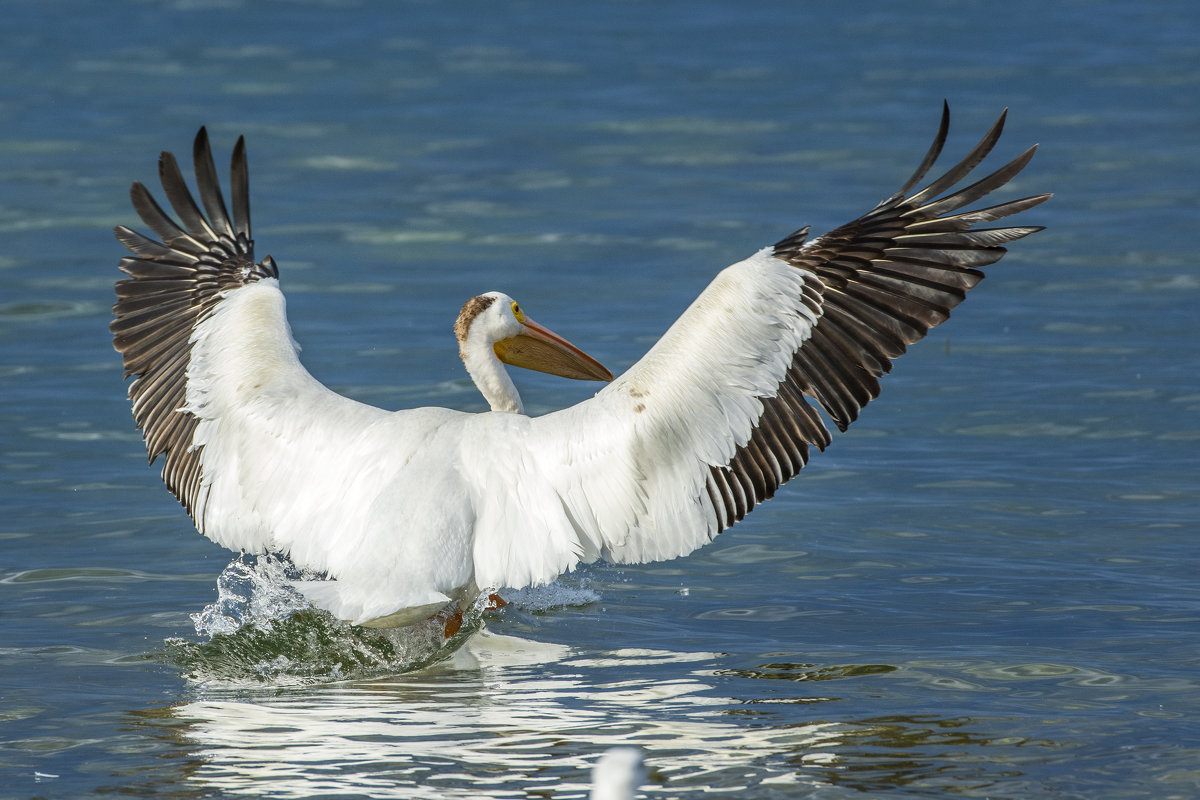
x=506 y=716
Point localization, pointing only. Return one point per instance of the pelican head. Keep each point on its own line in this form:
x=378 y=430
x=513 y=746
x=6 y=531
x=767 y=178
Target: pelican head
x=492 y=328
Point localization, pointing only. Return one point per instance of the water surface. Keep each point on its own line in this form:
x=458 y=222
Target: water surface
x=987 y=588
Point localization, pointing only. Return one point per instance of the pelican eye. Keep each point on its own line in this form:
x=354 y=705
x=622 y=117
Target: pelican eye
x=517 y=312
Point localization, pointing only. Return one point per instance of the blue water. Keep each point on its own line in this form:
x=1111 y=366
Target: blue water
x=987 y=588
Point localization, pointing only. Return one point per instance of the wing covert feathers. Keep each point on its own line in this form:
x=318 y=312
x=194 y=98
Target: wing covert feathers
x=173 y=285
x=883 y=281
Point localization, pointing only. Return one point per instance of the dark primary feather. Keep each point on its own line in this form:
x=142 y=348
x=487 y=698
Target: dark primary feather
x=210 y=186
x=885 y=279
x=172 y=286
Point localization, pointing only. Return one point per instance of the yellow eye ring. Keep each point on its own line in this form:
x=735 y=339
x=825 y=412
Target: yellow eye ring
x=517 y=312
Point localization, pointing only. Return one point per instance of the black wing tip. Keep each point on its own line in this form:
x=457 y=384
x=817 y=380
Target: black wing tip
x=200 y=142
x=166 y=160
x=208 y=221
x=171 y=285
x=201 y=147
x=140 y=197
x=209 y=185
x=897 y=271
x=238 y=159
x=931 y=155
x=886 y=279
x=931 y=201
x=239 y=187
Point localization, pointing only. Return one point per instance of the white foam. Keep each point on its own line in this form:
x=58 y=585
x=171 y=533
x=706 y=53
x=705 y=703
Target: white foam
x=251 y=589
x=551 y=596
x=261 y=628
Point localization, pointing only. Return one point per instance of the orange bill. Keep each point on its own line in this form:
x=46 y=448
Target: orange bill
x=543 y=350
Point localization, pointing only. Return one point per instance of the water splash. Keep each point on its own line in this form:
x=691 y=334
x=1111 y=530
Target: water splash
x=553 y=596
x=252 y=589
x=262 y=629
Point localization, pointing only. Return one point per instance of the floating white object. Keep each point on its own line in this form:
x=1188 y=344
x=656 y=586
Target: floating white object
x=618 y=774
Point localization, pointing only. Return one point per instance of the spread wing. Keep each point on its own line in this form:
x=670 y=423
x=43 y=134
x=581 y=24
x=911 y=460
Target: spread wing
x=722 y=411
x=172 y=286
x=218 y=390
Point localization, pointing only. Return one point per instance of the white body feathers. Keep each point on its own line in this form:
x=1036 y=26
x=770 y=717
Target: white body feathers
x=410 y=509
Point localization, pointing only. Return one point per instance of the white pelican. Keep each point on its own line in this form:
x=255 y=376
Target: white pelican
x=618 y=774
x=406 y=511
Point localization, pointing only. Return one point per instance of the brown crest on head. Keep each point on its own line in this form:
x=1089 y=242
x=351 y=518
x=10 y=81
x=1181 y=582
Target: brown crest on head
x=470 y=310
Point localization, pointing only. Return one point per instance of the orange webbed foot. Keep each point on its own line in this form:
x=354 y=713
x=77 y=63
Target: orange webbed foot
x=452 y=623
